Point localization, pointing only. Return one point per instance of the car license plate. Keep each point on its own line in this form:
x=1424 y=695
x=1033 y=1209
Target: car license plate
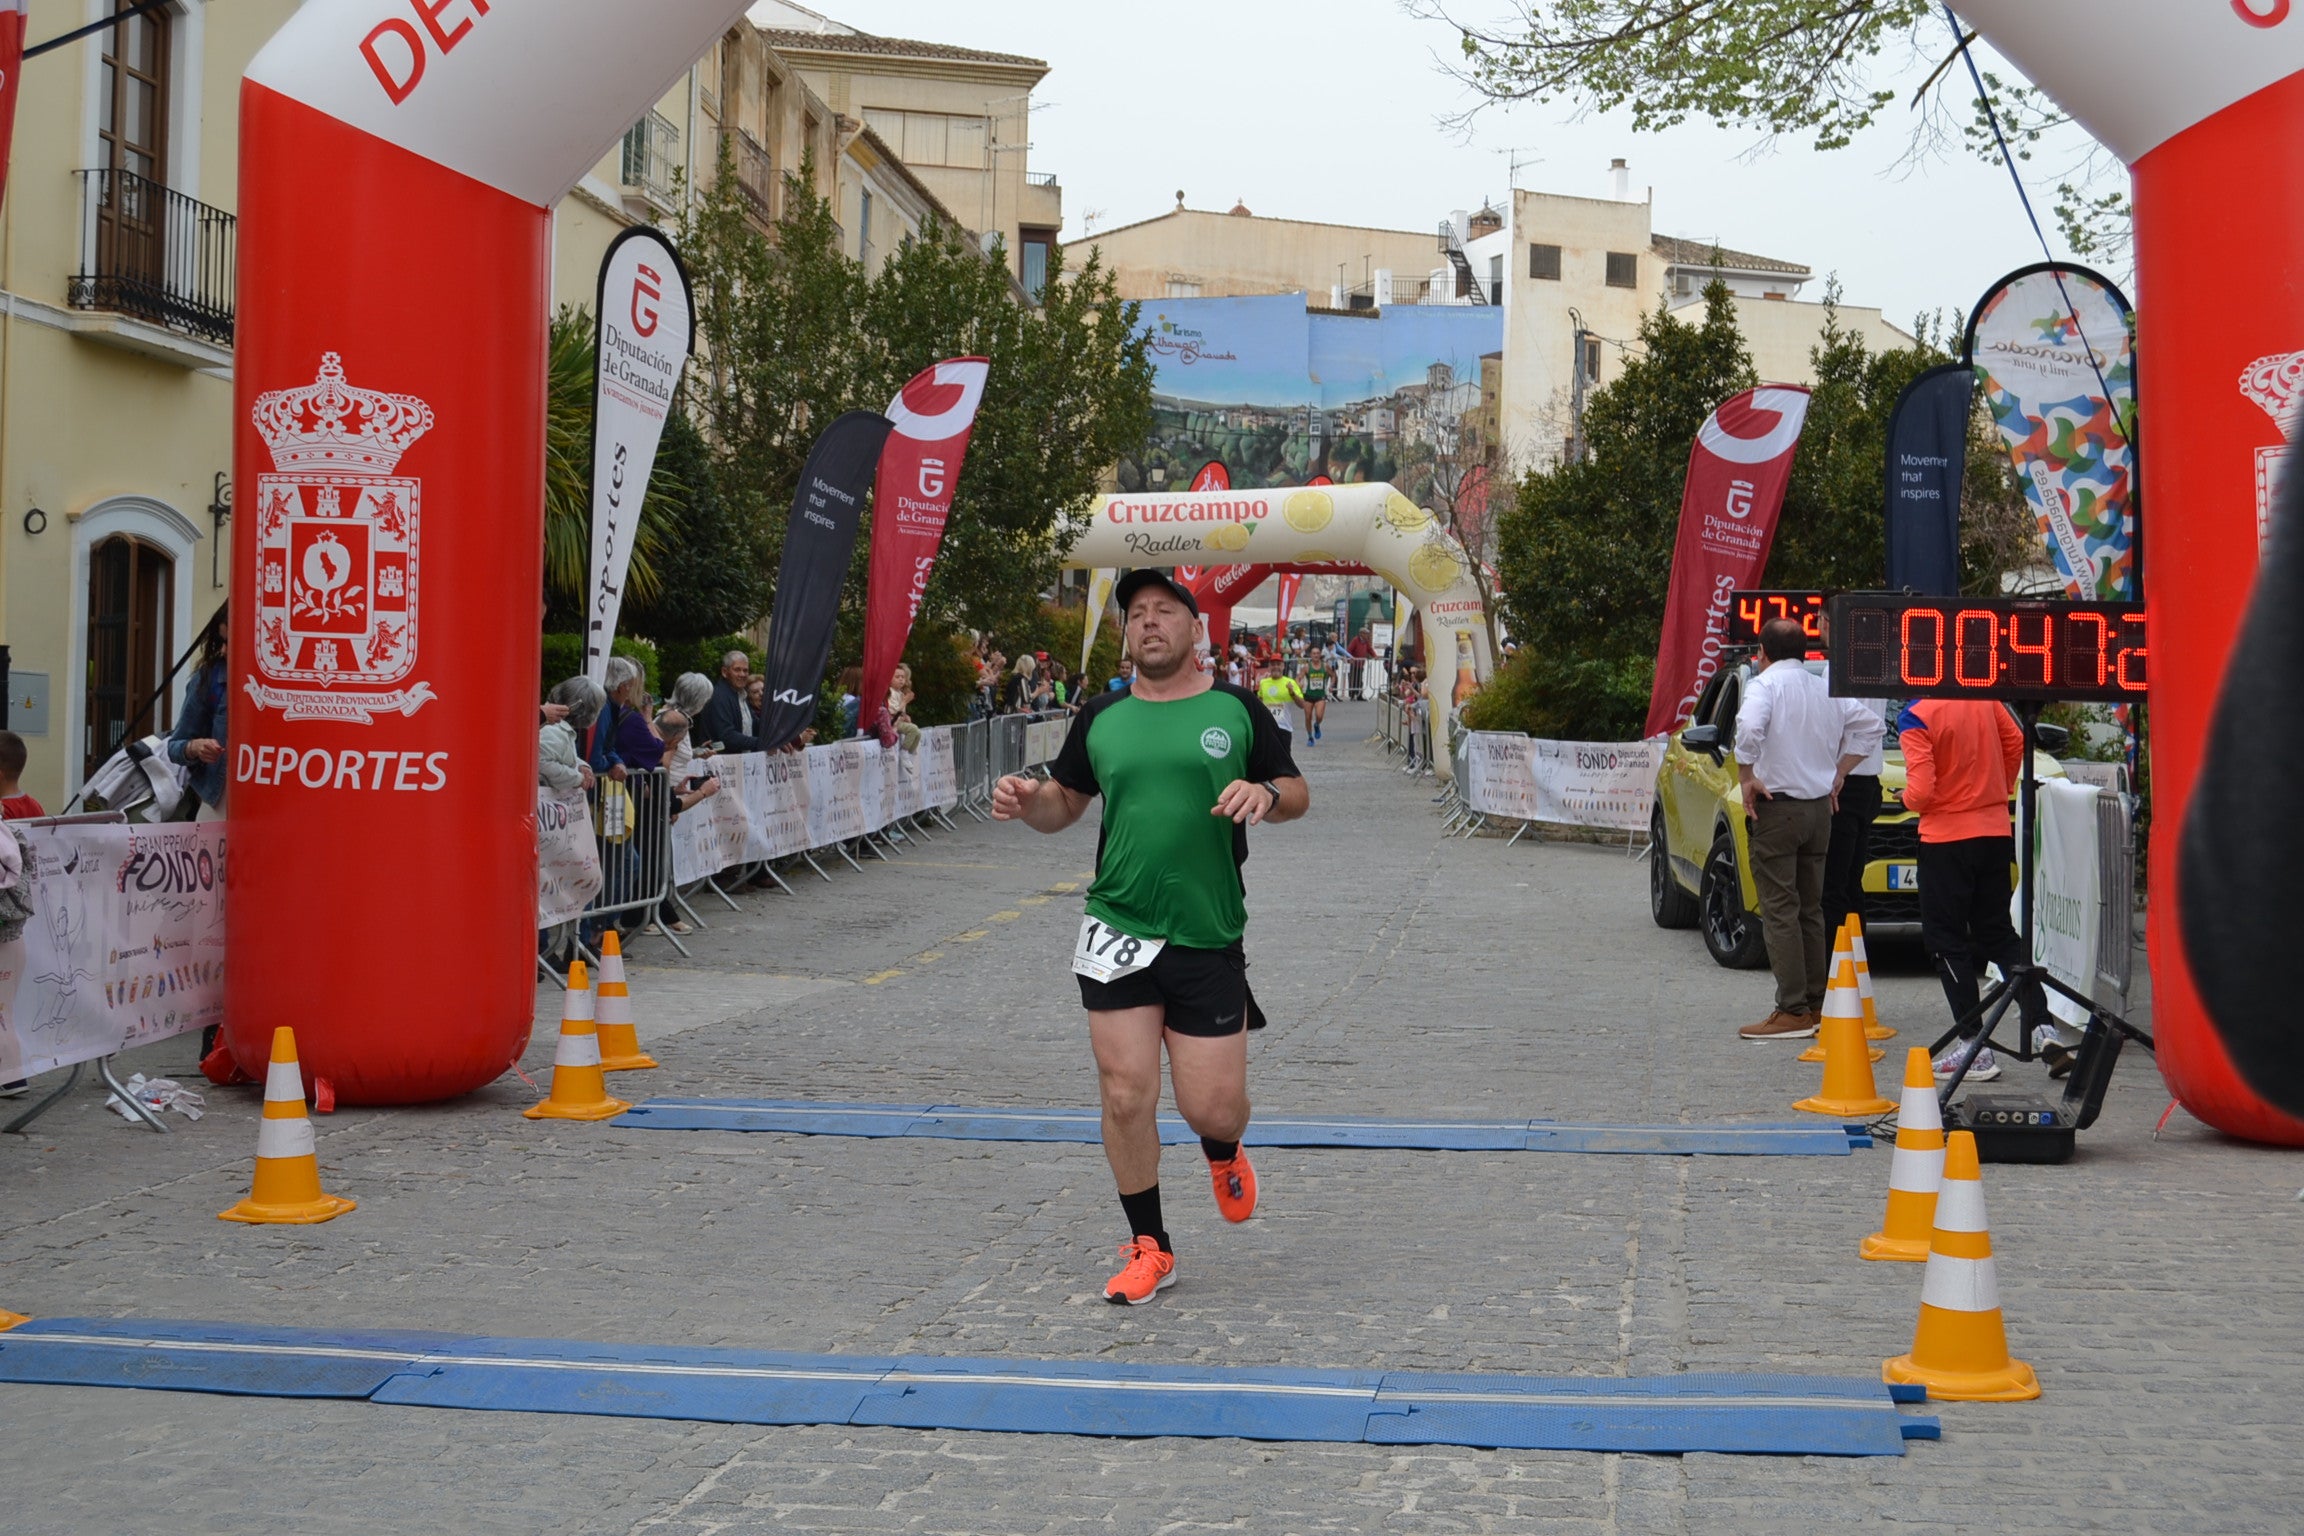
x=1903 y=877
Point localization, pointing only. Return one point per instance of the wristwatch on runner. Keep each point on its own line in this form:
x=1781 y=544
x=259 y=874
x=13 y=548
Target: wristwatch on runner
x=1274 y=791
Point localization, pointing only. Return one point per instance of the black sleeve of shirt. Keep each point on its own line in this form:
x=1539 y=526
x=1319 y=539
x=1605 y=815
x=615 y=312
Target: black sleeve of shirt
x=1072 y=768
x=1268 y=756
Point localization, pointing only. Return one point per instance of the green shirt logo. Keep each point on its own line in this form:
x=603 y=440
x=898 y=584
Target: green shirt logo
x=1216 y=741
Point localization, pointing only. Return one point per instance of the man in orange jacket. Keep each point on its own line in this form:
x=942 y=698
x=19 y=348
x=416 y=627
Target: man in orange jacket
x=1961 y=759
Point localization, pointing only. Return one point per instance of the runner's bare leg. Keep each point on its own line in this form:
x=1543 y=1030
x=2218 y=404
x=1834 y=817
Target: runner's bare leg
x=1210 y=1075
x=1127 y=1046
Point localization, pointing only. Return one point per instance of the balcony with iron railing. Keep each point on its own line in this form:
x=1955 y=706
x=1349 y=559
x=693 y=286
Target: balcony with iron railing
x=154 y=254
x=757 y=184
x=652 y=160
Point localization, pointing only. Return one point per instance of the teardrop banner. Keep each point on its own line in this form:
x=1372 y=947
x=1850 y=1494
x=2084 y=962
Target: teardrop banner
x=2206 y=104
x=644 y=335
x=1927 y=463
x=2054 y=349
x=15 y=15
x=1738 y=469
x=827 y=508
x=395 y=184
x=934 y=415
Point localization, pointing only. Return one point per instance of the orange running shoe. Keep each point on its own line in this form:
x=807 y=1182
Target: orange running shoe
x=1145 y=1272
x=1235 y=1187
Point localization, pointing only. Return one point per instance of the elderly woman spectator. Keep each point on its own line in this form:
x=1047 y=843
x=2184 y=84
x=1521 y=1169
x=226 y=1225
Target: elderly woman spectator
x=623 y=738
x=559 y=765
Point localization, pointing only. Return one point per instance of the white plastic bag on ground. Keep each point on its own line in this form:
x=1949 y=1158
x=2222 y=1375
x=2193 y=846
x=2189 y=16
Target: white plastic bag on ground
x=156 y=1094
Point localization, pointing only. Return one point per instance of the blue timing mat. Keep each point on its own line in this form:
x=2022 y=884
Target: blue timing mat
x=1778 y=1415
x=805 y=1117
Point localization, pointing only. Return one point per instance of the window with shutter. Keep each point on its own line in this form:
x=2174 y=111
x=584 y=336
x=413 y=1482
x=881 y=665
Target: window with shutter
x=1544 y=262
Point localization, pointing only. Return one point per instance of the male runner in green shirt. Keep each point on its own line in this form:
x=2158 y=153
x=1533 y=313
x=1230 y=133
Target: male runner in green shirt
x=1186 y=765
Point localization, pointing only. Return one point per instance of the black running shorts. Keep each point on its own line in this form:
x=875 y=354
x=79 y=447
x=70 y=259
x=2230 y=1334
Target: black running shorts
x=1205 y=991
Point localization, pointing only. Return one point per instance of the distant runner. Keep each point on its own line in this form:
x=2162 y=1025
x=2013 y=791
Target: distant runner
x=1317 y=671
x=1278 y=691
x=1176 y=757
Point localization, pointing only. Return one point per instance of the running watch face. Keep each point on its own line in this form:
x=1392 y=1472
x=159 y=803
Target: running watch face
x=1165 y=867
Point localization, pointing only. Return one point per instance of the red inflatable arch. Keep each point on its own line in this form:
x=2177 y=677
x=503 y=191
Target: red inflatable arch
x=2205 y=101
x=398 y=163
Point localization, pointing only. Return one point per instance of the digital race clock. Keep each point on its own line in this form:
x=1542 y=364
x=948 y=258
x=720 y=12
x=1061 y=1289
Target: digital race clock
x=1747 y=611
x=1887 y=646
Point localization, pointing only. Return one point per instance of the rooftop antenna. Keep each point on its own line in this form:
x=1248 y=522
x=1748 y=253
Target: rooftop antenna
x=1516 y=158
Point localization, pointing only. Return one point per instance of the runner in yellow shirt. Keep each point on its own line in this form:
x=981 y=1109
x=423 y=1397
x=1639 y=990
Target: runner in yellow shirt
x=1277 y=690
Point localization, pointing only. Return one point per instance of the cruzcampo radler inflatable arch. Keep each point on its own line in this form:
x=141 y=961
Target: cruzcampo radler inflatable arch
x=398 y=163
x=2205 y=101
x=1369 y=524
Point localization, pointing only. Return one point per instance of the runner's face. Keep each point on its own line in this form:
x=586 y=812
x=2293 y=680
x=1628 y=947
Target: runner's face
x=1160 y=631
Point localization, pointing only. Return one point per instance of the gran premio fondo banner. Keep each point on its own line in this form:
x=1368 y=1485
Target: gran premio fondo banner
x=2054 y=347
x=1738 y=469
x=646 y=334
x=827 y=508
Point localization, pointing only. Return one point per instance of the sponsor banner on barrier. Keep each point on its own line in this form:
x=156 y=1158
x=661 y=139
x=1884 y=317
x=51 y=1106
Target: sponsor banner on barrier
x=939 y=772
x=775 y=804
x=2071 y=893
x=1574 y=783
x=125 y=945
x=567 y=857
x=776 y=800
x=1596 y=783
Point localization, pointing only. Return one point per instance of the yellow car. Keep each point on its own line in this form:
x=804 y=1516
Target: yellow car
x=1699 y=872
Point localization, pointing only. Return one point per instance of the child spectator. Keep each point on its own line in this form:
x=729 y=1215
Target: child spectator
x=15 y=805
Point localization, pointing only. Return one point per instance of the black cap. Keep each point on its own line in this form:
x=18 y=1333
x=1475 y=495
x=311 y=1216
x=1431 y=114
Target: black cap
x=1153 y=576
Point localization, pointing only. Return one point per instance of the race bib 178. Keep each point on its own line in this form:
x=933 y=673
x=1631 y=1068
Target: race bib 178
x=1104 y=953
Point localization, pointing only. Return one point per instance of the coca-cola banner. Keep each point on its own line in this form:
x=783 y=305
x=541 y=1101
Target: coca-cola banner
x=919 y=475
x=827 y=507
x=2055 y=351
x=646 y=335
x=1737 y=471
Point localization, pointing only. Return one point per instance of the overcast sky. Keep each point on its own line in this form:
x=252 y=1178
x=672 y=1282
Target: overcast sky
x=1330 y=112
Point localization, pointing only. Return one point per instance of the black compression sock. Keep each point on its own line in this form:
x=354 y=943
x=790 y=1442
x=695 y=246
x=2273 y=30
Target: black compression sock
x=1219 y=1151
x=1143 y=1211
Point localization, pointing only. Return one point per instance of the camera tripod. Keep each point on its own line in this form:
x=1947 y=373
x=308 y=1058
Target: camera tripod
x=2105 y=1032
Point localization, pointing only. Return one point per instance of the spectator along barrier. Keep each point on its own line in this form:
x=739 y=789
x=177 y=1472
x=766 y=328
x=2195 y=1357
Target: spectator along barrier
x=621 y=848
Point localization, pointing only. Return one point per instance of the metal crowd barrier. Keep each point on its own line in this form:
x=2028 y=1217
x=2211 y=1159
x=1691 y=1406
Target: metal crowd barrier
x=2116 y=892
x=635 y=869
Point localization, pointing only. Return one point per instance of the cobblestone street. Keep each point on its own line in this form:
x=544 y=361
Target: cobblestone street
x=2153 y=1282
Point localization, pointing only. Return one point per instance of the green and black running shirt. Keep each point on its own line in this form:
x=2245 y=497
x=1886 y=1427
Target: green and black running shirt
x=1166 y=867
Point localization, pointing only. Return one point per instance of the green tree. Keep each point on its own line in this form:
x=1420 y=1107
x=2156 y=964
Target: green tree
x=712 y=557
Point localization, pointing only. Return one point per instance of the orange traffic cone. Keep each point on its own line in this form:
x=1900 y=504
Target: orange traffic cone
x=1842 y=949
x=287 y=1169
x=1848 y=1090
x=579 y=1092
x=1960 y=1348
x=1916 y=1171
x=619 y=1041
x=1873 y=1028
x=9 y=1320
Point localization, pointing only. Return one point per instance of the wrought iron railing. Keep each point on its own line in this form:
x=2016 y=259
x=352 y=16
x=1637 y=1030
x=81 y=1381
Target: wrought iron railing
x=155 y=254
x=652 y=157
x=1040 y=178
x=756 y=180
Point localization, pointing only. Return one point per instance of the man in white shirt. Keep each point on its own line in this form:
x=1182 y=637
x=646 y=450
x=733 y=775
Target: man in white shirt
x=1854 y=810
x=1795 y=744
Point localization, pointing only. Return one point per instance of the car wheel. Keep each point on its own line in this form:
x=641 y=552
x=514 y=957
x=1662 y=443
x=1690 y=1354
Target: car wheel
x=1668 y=902
x=1731 y=933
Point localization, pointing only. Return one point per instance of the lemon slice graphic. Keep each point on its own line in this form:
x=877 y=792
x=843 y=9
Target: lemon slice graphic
x=1404 y=514
x=1231 y=536
x=1435 y=568
x=1310 y=555
x=1309 y=511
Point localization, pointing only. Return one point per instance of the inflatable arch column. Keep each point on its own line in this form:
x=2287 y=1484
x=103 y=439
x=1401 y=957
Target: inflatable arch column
x=398 y=164
x=1369 y=524
x=2205 y=101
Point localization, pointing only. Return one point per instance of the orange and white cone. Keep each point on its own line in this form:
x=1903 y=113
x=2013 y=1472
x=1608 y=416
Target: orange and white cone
x=1842 y=949
x=10 y=1320
x=287 y=1186
x=579 y=1092
x=1916 y=1171
x=1848 y=1090
x=1960 y=1348
x=619 y=1041
x=1873 y=1028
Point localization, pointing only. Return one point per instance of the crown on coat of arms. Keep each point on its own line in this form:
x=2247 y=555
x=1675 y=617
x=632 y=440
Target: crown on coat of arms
x=330 y=425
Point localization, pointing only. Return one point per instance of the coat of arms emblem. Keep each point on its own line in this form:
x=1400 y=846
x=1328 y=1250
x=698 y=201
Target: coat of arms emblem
x=2273 y=384
x=336 y=579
